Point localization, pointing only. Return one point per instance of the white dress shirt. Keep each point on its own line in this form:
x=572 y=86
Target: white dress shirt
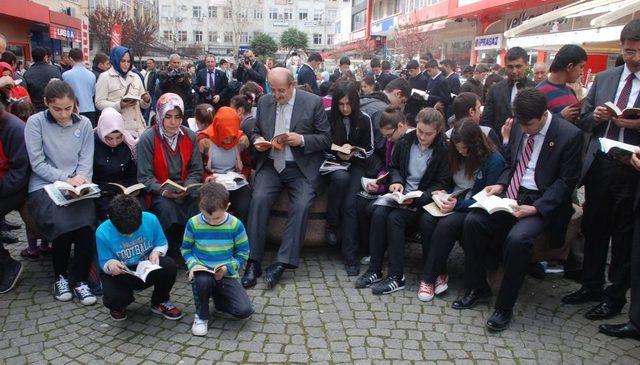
x=288 y=111
x=529 y=178
x=635 y=90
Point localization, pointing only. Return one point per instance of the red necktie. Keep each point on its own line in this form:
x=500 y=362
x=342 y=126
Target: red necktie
x=514 y=185
x=614 y=131
x=211 y=84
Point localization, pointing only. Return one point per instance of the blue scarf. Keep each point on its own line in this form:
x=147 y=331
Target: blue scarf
x=115 y=56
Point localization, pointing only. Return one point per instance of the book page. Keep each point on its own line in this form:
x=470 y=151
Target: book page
x=144 y=268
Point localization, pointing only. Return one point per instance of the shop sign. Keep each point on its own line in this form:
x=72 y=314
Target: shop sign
x=280 y=23
x=354 y=36
x=491 y=41
x=65 y=34
x=519 y=18
x=383 y=25
x=462 y=3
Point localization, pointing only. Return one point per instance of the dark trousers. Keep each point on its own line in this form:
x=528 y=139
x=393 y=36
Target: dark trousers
x=364 y=208
x=388 y=230
x=118 y=289
x=7 y=205
x=634 y=310
x=341 y=208
x=91 y=116
x=481 y=231
x=228 y=296
x=82 y=240
x=268 y=186
x=609 y=192
x=444 y=234
x=240 y=200
x=175 y=235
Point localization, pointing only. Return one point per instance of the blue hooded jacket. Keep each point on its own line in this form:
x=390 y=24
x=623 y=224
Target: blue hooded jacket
x=115 y=56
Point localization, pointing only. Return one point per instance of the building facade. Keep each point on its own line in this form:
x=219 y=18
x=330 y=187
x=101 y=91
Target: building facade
x=222 y=26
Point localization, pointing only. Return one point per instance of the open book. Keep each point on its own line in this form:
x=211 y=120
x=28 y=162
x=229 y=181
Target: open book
x=130 y=97
x=143 y=269
x=400 y=198
x=126 y=190
x=331 y=166
x=276 y=142
x=365 y=180
x=615 y=148
x=492 y=203
x=63 y=193
x=211 y=270
x=347 y=150
x=231 y=180
x=174 y=186
x=629 y=113
x=435 y=208
x=419 y=93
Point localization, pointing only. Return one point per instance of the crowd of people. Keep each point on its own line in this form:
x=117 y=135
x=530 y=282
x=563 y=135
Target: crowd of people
x=424 y=135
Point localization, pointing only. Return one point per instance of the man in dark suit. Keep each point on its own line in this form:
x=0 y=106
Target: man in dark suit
x=344 y=65
x=631 y=328
x=419 y=82
x=301 y=117
x=610 y=183
x=307 y=72
x=497 y=107
x=150 y=76
x=438 y=86
x=543 y=168
x=211 y=83
x=250 y=69
x=453 y=79
x=37 y=77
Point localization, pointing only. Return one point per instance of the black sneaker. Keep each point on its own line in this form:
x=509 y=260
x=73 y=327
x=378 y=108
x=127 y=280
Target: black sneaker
x=352 y=268
x=368 y=278
x=388 y=285
x=12 y=271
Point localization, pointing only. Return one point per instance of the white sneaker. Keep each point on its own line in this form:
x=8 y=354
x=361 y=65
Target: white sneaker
x=61 y=289
x=84 y=294
x=441 y=284
x=199 y=327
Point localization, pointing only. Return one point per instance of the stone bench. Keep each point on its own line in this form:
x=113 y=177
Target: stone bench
x=315 y=235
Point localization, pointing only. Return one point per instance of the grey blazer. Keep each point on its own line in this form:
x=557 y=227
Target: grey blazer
x=603 y=90
x=308 y=119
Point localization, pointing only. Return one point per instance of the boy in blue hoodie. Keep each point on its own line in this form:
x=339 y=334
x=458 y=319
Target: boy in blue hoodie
x=126 y=238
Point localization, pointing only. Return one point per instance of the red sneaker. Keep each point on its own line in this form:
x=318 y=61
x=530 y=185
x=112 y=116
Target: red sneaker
x=441 y=284
x=426 y=292
x=117 y=315
x=168 y=310
x=30 y=255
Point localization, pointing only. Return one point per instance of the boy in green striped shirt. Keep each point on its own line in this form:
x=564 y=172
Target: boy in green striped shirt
x=215 y=247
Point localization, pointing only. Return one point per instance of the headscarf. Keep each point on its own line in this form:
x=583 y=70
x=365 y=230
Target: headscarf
x=111 y=121
x=116 y=55
x=17 y=91
x=226 y=123
x=4 y=67
x=167 y=102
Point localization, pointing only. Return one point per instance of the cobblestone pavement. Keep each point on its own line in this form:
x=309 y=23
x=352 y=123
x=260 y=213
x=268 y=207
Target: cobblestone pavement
x=314 y=316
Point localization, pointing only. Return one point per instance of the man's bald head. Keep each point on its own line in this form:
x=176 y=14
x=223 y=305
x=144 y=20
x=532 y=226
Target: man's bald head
x=282 y=84
x=3 y=43
x=539 y=72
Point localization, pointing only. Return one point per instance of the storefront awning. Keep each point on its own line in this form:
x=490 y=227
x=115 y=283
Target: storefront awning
x=541 y=41
x=612 y=10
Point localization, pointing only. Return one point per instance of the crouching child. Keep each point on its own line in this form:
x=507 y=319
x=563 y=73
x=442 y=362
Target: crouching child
x=215 y=248
x=128 y=237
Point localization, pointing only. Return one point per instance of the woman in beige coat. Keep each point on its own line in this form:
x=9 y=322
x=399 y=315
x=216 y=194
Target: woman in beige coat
x=118 y=81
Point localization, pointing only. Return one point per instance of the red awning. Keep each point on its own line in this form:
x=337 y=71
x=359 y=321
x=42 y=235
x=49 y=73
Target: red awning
x=23 y=9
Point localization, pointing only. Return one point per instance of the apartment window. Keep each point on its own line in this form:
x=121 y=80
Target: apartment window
x=243 y=14
x=273 y=13
x=182 y=36
x=228 y=37
x=288 y=14
x=244 y=37
x=357 y=21
x=330 y=39
x=257 y=13
x=332 y=14
x=168 y=35
x=166 y=11
x=303 y=14
x=317 y=15
x=213 y=37
x=317 y=38
x=197 y=12
x=226 y=12
x=197 y=36
x=213 y=12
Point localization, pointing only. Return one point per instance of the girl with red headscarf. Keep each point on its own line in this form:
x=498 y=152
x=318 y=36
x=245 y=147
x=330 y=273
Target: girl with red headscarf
x=11 y=92
x=223 y=144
